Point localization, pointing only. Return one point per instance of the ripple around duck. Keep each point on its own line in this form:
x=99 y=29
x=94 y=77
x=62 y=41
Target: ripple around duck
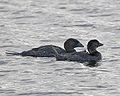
x=69 y=69
x=9 y=46
x=103 y=70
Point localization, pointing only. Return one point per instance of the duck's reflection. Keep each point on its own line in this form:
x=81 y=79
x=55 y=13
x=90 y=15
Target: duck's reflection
x=92 y=64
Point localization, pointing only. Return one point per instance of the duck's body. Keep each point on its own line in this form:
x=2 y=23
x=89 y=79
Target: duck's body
x=43 y=51
x=83 y=56
x=47 y=50
x=79 y=57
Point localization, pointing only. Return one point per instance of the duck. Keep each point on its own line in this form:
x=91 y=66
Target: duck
x=91 y=56
x=47 y=50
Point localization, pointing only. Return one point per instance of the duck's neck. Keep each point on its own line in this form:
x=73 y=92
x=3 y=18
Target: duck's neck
x=70 y=50
x=92 y=51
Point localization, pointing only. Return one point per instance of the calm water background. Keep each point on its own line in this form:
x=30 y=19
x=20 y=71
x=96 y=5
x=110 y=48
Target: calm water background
x=25 y=24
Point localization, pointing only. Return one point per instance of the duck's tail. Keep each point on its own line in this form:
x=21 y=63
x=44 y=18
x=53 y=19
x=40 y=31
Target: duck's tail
x=13 y=53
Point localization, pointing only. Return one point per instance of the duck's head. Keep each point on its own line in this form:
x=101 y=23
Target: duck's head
x=92 y=45
x=70 y=44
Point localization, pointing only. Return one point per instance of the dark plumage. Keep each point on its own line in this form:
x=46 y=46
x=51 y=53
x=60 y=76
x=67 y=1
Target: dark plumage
x=47 y=50
x=92 y=56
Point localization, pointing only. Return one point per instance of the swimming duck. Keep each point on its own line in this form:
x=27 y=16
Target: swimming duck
x=47 y=50
x=91 y=56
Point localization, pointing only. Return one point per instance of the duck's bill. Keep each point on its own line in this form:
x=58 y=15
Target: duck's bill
x=79 y=45
x=100 y=44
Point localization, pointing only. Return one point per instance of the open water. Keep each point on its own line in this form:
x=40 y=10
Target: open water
x=25 y=24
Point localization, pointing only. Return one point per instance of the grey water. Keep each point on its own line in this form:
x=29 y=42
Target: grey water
x=25 y=24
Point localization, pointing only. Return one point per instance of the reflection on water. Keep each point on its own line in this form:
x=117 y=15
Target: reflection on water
x=26 y=24
x=92 y=64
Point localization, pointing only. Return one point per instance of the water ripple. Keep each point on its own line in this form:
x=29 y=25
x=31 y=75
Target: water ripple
x=50 y=93
x=115 y=47
x=19 y=11
x=84 y=25
x=3 y=62
x=83 y=9
x=7 y=91
x=23 y=17
x=69 y=69
x=79 y=25
x=4 y=10
x=103 y=70
x=7 y=71
x=9 y=3
x=25 y=23
x=101 y=15
x=62 y=7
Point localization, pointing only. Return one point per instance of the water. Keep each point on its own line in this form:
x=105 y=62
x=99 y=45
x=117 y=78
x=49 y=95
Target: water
x=25 y=24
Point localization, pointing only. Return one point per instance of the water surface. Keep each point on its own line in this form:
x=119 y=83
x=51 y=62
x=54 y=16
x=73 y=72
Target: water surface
x=25 y=24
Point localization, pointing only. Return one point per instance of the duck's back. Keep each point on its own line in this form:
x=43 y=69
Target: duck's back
x=43 y=51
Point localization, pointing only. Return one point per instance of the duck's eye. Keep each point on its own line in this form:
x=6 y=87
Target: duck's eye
x=96 y=44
